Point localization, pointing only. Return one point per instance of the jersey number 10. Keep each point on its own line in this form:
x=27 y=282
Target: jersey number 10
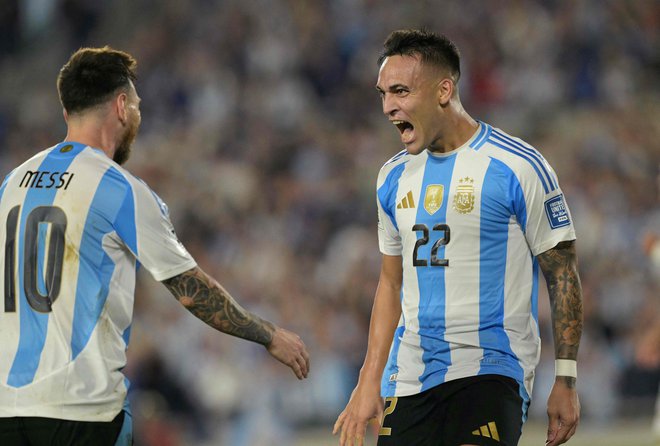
x=54 y=219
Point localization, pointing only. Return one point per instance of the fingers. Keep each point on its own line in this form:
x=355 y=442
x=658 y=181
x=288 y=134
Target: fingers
x=338 y=423
x=297 y=370
x=351 y=432
x=303 y=367
x=288 y=348
x=560 y=433
x=571 y=432
x=305 y=356
x=553 y=428
x=351 y=436
x=302 y=360
x=300 y=364
x=343 y=439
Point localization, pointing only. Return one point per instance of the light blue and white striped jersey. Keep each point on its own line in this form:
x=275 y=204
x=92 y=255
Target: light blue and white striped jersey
x=468 y=225
x=76 y=226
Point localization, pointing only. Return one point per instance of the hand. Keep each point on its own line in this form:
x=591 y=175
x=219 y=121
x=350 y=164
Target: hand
x=290 y=350
x=365 y=404
x=563 y=411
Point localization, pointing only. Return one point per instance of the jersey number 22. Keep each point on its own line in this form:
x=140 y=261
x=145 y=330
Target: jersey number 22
x=424 y=239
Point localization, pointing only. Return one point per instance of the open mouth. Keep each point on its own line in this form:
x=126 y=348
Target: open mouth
x=405 y=128
x=403 y=125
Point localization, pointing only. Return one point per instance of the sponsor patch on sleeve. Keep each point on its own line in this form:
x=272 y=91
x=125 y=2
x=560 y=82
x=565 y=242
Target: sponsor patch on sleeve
x=555 y=209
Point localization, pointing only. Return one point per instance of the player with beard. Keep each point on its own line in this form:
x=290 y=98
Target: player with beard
x=76 y=226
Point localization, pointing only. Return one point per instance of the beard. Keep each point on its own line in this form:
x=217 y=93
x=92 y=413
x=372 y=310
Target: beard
x=123 y=150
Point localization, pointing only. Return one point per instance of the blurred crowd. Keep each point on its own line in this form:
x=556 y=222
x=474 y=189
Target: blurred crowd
x=263 y=133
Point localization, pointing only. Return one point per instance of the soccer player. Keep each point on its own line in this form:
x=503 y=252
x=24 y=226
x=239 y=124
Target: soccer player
x=75 y=228
x=467 y=214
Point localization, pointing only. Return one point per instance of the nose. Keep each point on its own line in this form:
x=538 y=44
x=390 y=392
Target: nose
x=389 y=105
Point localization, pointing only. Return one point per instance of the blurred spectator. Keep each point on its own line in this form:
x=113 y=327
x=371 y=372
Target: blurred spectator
x=265 y=111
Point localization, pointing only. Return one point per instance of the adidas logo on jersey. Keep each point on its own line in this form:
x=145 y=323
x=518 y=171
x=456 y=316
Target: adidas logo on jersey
x=407 y=202
x=487 y=430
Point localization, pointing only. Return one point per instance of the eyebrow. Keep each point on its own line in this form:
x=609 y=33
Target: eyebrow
x=392 y=87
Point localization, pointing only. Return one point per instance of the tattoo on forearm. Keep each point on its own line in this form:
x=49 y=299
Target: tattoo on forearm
x=211 y=303
x=559 y=266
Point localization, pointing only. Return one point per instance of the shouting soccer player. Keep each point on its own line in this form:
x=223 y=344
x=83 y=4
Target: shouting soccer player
x=467 y=214
x=75 y=227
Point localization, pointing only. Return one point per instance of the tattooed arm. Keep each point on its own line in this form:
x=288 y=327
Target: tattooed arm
x=559 y=266
x=210 y=302
x=207 y=300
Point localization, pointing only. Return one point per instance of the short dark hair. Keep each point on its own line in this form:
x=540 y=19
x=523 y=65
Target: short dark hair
x=435 y=49
x=92 y=75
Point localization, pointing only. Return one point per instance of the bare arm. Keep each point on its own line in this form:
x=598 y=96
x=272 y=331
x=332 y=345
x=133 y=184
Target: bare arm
x=559 y=266
x=207 y=300
x=365 y=403
x=385 y=316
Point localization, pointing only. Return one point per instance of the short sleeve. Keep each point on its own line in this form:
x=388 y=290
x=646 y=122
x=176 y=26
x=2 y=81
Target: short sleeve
x=145 y=227
x=389 y=239
x=542 y=211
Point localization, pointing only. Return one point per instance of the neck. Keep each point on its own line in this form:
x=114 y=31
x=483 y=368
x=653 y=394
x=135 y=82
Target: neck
x=459 y=128
x=92 y=132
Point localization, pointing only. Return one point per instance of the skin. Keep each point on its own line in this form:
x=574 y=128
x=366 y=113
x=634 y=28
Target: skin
x=365 y=403
x=427 y=98
x=205 y=298
x=112 y=127
x=559 y=266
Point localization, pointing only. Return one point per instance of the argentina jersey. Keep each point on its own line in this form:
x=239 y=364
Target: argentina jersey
x=468 y=225
x=76 y=226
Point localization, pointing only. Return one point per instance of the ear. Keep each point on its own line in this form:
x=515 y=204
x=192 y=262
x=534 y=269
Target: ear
x=66 y=115
x=121 y=105
x=445 y=91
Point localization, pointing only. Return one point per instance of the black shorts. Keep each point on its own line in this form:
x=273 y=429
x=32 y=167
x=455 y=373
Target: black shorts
x=37 y=431
x=481 y=410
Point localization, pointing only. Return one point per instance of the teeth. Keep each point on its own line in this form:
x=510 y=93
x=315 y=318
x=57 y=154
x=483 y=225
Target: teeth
x=397 y=122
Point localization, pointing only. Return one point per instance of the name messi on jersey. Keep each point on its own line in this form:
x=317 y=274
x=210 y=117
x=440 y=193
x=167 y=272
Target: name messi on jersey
x=43 y=179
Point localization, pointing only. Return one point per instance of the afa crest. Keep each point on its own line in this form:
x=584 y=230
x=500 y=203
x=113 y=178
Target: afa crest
x=433 y=198
x=464 y=196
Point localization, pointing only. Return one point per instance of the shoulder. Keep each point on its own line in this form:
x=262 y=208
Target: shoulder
x=28 y=169
x=110 y=171
x=397 y=160
x=523 y=159
x=143 y=193
x=31 y=163
x=116 y=178
x=393 y=165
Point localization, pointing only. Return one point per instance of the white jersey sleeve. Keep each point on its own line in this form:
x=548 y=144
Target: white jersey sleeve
x=548 y=220
x=542 y=211
x=77 y=226
x=157 y=247
x=389 y=239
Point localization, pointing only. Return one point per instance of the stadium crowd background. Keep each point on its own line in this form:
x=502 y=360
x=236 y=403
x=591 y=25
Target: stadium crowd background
x=262 y=131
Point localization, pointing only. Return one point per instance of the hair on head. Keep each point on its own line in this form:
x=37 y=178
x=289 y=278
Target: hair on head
x=92 y=75
x=434 y=49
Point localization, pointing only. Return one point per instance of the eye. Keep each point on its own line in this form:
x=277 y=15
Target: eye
x=400 y=91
